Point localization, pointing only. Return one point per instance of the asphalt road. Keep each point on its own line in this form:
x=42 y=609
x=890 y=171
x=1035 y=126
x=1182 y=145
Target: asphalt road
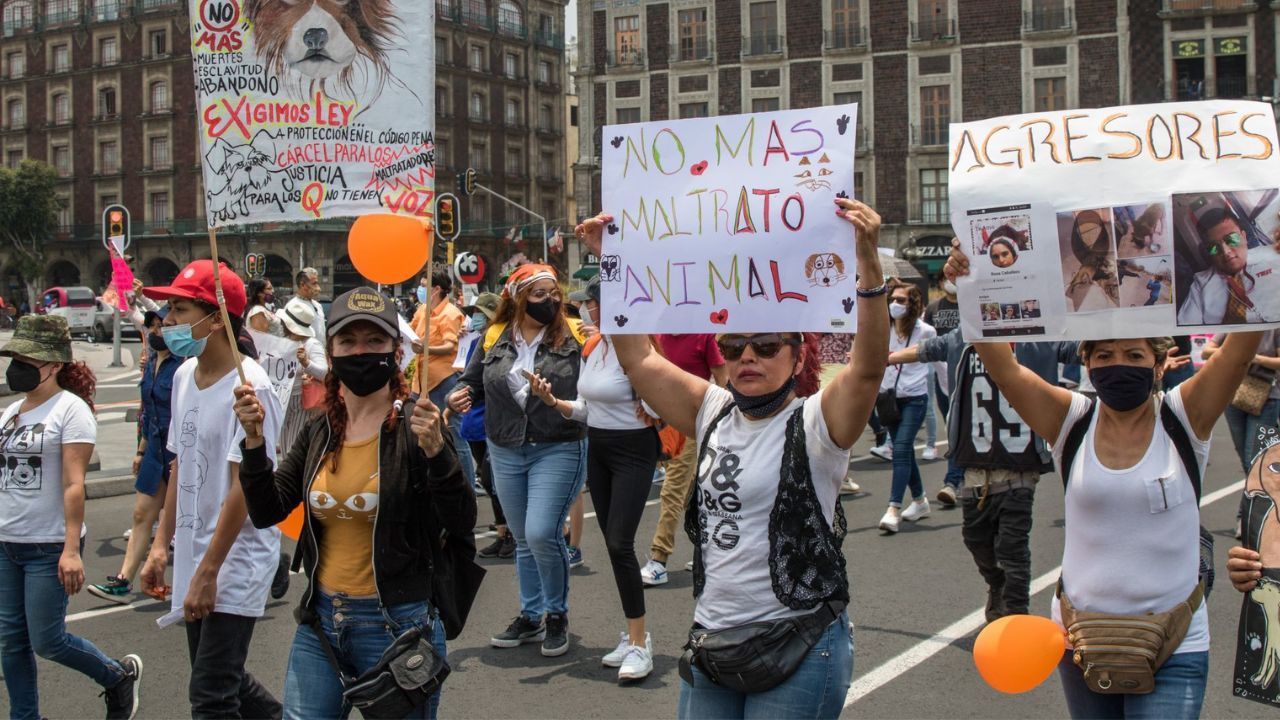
x=917 y=602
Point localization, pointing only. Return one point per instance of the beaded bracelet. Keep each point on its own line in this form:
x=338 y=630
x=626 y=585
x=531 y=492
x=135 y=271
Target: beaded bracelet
x=873 y=292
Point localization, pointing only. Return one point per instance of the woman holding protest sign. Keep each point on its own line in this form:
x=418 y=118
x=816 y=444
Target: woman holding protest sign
x=767 y=548
x=536 y=455
x=381 y=484
x=1131 y=464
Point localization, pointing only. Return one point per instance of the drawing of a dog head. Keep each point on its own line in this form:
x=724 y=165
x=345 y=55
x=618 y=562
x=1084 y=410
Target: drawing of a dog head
x=320 y=44
x=825 y=269
x=242 y=168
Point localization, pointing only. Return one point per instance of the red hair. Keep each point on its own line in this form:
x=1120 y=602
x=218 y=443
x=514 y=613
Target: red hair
x=808 y=378
x=78 y=379
x=336 y=407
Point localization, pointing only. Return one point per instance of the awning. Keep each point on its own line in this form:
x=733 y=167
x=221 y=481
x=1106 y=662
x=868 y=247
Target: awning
x=586 y=272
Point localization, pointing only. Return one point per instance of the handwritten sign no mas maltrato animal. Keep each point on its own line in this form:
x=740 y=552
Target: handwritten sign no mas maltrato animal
x=728 y=224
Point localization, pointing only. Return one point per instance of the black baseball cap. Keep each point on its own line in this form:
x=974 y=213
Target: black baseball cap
x=590 y=292
x=363 y=303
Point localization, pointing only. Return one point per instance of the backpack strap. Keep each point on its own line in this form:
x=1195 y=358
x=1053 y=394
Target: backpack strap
x=491 y=335
x=1182 y=441
x=1074 y=441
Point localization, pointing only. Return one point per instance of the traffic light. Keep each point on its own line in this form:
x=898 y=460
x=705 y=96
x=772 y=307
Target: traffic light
x=467 y=182
x=255 y=264
x=447 y=217
x=115 y=227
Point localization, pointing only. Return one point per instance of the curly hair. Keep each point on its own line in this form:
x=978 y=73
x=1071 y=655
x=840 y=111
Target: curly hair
x=78 y=379
x=808 y=379
x=336 y=407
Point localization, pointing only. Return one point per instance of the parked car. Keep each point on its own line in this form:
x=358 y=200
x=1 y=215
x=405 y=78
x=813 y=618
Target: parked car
x=76 y=304
x=103 y=325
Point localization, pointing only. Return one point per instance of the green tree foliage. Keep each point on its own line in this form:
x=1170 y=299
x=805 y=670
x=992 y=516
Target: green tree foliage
x=29 y=208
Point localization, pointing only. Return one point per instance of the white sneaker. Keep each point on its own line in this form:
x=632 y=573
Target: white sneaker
x=849 y=486
x=947 y=495
x=653 y=573
x=930 y=453
x=689 y=565
x=638 y=662
x=916 y=510
x=884 y=452
x=127 y=533
x=889 y=523
x=615 y=658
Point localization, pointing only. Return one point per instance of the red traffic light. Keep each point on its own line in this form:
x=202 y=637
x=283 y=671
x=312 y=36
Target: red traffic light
x=116 y=216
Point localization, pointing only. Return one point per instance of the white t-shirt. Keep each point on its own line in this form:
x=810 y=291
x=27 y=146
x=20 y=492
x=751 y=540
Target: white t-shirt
x=31 y=509
x=1133 y=535
x=205 y=435
x=738 y=484
x=610 y=401
x=914 y=380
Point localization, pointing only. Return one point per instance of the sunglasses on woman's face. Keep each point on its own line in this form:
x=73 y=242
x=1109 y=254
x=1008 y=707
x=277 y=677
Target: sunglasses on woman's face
x=1231 y=240
x=764 y=346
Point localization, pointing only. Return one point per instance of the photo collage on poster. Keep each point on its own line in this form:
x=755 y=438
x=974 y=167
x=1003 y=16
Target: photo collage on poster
x=1226 y=257
x=1011 y=299
x=1116 y=257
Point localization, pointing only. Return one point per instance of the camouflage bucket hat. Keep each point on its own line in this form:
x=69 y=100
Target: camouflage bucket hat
x=40 y=337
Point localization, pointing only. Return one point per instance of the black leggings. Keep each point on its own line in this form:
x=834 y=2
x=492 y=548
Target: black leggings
x=480 y=452
x=620 y=467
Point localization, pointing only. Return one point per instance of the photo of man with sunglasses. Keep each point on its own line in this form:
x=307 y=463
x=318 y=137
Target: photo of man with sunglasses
x=1230 y=287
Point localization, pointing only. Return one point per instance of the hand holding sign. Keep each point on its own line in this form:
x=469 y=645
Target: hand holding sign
x=425 y=423
x=250 y=414
x=591 y=232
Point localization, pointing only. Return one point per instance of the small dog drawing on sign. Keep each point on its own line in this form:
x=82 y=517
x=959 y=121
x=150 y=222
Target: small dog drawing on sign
x=824 y=269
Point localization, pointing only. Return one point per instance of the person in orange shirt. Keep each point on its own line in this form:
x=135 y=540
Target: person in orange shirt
x=437 y=379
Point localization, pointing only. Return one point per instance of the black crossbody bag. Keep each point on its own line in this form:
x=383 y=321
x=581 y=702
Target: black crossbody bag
x=409 y=672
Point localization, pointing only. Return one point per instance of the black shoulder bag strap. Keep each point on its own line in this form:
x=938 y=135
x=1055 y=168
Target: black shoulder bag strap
x=1075 y=440
x=316 y=628
x=692 y=526
x=1182 y=441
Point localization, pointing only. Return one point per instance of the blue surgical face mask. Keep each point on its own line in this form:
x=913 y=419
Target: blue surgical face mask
x=180 y=341
x=422 y=295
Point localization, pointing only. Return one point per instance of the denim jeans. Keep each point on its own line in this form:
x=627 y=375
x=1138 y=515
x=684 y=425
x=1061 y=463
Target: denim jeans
x=955 y=474
x=1176 y=377
x=905 y=470
x=33 y=615
x=930 y=418
x=437 y=397
x=816 y=690
x=1179 y=691
x=220 y=686
x=537 y=483
x=359 y=631
x=1244 y=429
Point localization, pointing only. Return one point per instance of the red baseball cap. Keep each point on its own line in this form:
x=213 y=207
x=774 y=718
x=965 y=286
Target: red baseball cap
x=195 y=282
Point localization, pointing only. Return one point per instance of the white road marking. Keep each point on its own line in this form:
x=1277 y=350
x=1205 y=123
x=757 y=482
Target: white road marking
x=926 y=649
x=123 y=375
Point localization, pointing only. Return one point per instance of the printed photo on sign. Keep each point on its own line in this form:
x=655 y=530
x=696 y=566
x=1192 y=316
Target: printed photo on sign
x=1001 y=239
x=1150 y=282
x=1227 y=257
x=728 y=224
x=1088 y=260
x=1141 y=230
x=1007 y=255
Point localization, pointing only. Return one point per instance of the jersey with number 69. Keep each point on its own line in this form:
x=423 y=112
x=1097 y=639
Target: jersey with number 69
x=991 y=434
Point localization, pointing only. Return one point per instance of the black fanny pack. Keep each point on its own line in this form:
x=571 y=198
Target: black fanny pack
x=758 y=656
x=408 y=673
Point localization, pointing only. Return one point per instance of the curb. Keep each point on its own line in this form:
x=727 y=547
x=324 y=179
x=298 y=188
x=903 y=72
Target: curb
x=112 y=485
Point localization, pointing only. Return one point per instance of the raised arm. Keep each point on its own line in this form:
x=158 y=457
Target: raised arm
x=673 y=393
x=848 y=399
x=1215 y=384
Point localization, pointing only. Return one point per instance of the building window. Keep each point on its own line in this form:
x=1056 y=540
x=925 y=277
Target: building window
x=107 y=102
x=62 y=160
x=61 y=109
x=64 y=212
x=763 y=20
x=1049 y=56
x=511 y=65
x=933 y=197
x=1051 y=94
x=440 y=153
x=627 y=115
x=442 y=51
x=846 y=98
x=108 y=158
x=442 y=101
x=933 y=20
x=846 y=24
x=1047 y=15
x=477 y=106
x=515 y=161
x=158 y=40
x=61 y=58
x=160 y=153
x=107 y=200
x=479 y=156
x=693 y=110
x=160 y=207
x=510 y=18
x=108 y=51
x=16 y=113
x=626 y=39
x=159 y=96
x=546 y=119
x=475 y=58
x=935 y=114
x=547 y=169
x=768 y=104
x=106 y=10
x=513 y=112
x=544 y=72
x=17 y=16
x=17 y=64
x=692 y=32
x=13 y=158
x=59 y=11
x=573 y=116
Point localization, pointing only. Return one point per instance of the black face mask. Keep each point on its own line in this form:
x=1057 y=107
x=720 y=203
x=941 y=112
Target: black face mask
x=759 y=406
x=1123 y=387
x=543 y=312
x=156 y=342
x=366 y=373
x=22 y=376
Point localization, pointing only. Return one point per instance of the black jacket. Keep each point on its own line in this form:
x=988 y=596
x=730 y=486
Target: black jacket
x=418 y=499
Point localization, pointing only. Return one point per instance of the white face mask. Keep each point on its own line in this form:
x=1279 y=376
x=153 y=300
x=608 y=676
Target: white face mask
x=948 y=287
x=585 y=314
x=897 y=310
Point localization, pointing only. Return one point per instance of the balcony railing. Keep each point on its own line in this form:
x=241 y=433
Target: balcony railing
x=1207 y=6
x=763 y=44
x=1047 y=19
x=478 y=116
x=512 y=30
x=691 y=50
x=1232 y=87
x=547 y=39
x=930 y=134
x=846 y=38
x=1188 y=90
x=106 y=11
x=13 y=27
x=625 y=59
x=933 y=29
x=477 y=18
x=148 y=5
x=451 y=12
x=61 y=17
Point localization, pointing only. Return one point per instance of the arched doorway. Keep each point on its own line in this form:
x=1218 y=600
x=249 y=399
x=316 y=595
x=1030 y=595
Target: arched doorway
x=12 y=287
x=280 y=272
x=62 y=273
x=160 y=271
x=345 y=276
x=102 y=276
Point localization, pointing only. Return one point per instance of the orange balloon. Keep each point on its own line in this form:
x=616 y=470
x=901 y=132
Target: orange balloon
x=292 y=525
x=1018 y=652
x=389 y=249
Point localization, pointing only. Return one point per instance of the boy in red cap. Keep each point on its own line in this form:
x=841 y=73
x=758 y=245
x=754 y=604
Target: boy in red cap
x=222 y=565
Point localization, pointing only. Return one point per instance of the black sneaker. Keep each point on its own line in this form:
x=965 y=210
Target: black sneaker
x=122 y=700
x=520 y=631
x=280 y=583
x=492 y=549
x=508 y=549
x=556 y=642
x=995 y=603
